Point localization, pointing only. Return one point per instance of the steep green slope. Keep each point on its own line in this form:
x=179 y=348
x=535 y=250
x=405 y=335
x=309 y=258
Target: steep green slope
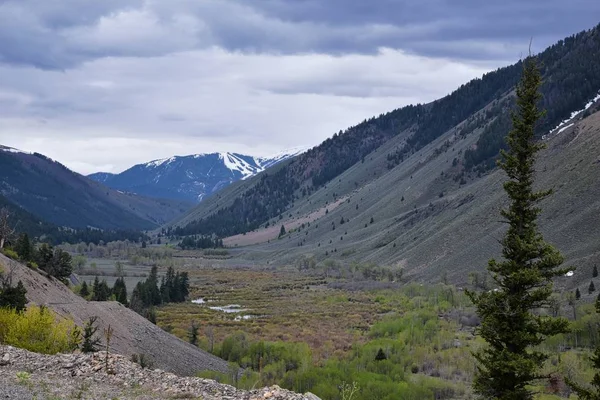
x=572 y=77
x=55 y=194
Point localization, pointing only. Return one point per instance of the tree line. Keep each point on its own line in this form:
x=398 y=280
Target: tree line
x=173 y=288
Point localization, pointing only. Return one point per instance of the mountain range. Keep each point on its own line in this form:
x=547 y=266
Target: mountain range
x=417 y=187
x=190 y=178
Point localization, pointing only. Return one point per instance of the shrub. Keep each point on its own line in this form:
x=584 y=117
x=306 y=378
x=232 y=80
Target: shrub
x=143 y=360
x=38 y=330
x=10 y=254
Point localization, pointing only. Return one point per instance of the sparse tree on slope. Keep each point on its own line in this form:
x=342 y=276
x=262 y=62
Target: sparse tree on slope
x=84 y=291
x=592 y=393
x=90 y=341
x=24 y=248
x=193 y=333
x=6 y=231
x=509 y=323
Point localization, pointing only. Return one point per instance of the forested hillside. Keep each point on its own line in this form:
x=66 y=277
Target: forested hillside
x=23 y=221
x=52 y=192
x=571 y=78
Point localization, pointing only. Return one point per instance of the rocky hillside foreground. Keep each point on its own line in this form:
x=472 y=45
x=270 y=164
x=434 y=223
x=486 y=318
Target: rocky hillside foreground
x=132 y=333
x=25 y=375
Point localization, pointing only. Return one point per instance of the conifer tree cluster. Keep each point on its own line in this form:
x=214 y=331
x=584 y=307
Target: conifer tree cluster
x=509 y=322
x=102 y=292
x=174 y=288
x=200 y=242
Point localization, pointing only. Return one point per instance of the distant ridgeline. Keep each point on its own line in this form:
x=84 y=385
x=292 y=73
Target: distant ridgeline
x=571 y=72
x=25 y=222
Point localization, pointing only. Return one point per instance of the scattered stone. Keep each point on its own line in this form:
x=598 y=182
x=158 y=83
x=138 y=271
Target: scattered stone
x=71 y=373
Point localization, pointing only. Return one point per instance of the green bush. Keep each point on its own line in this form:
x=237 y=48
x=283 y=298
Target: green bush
x=39 y=330
x=10 y=253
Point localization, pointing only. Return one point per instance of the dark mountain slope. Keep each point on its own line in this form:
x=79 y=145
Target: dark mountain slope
x=570 y=67
x=60 y=196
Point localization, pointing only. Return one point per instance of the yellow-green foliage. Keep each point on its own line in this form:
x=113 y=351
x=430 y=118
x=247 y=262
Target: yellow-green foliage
x=10 y=254
x=39 y=330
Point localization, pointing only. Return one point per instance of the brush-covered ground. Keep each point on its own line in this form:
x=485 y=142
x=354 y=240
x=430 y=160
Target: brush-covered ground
x=307 y=331
x=332 y=328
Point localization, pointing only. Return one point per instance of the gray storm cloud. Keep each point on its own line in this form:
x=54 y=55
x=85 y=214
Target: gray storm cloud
x=105 y=84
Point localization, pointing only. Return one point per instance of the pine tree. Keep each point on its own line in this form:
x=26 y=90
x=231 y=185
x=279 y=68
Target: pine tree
x=509 y=324
x=595 y=272
x=84 y=291
x=90 y=343
x=120 y=291
x=380 y=355
x=95 y=288
x=24 y=248
x=591 y=288
x=13 y=297
x=577 y=294
x=592 y=393
x=282 y=231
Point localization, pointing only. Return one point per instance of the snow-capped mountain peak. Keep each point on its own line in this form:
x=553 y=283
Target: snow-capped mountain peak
x=191 y=177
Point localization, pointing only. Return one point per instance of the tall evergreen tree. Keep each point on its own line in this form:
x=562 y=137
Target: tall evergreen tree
x=120 y=291
x=509 y=323
x=84 y=291
x=13 y=297
x=595 y=272
x=577 y=294
x=95 y=287
x=591 y=288
x=24 y=248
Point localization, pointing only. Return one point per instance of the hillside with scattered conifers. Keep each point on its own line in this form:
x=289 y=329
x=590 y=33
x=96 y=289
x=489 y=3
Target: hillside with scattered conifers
x=571 y=76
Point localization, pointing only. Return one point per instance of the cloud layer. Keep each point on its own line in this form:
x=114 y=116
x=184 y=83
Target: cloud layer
x=103 y=85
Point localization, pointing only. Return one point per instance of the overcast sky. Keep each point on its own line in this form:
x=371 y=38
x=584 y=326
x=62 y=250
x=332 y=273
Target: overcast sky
x=100 y=85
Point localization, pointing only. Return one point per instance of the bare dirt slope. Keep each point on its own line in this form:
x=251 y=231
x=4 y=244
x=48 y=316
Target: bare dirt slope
x=133 y=334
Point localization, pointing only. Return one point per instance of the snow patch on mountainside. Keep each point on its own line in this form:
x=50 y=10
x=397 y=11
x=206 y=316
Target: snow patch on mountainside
x=269 y=161
x=12 y=150
x=158 y=163
x=565 y=124
x=234 y=163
